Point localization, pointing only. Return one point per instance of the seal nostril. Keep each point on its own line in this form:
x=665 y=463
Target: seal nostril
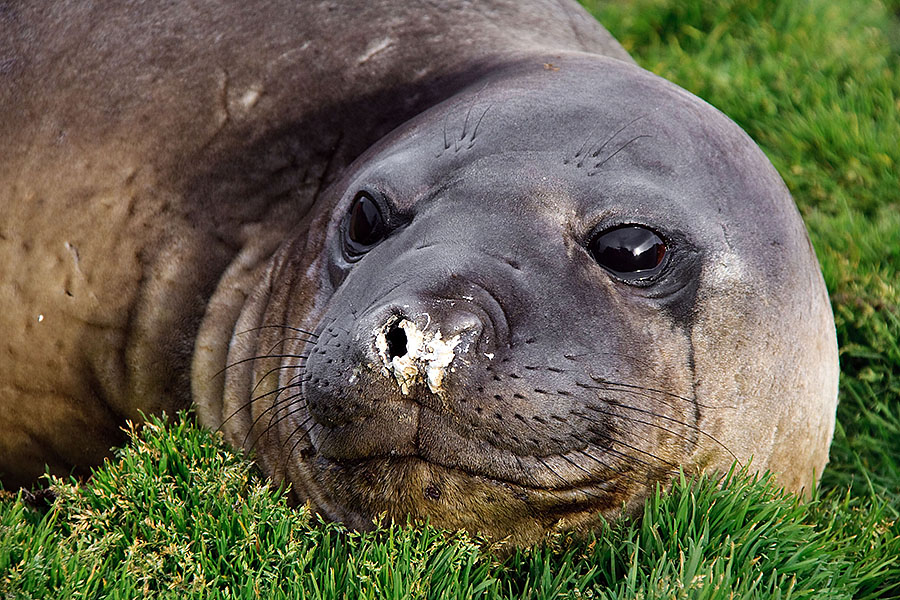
x=396 y=342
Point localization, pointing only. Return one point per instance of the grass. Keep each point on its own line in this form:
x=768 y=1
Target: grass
x=816 y=83
x=180 y=514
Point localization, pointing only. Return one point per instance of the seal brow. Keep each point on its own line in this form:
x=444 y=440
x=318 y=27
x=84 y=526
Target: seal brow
x=477 y=124
x=597 y=152
x=622 y=147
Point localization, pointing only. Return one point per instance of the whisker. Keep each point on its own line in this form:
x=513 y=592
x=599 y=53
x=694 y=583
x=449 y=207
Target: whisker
x=274 y=410
x=309 y=431
x=465 y=126
x=298 y=429
x=446 y=142
x=298 y=381
x=303 y=331
x=553 y=471
x=580 y=151
x=633 y=390
x=246 y=404
x=622 y=147
x=272 y=370
x=657 y=415
x=275 y=404
x=295 y=407
x=566 y=482
x=260 y=357
x=619 y=472
x=524 y=471
x=634 y=420
x=477 y=124
x=694 y=401
x=612 y=440
x=287 y=339
x=597 y=152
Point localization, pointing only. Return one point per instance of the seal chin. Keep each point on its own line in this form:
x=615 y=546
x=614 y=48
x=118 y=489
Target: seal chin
x=397 y=488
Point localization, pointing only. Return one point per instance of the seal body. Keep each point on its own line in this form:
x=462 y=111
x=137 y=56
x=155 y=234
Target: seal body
x=401 y=253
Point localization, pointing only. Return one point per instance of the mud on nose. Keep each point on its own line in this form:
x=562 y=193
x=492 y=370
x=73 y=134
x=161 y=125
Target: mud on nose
x=411 y=354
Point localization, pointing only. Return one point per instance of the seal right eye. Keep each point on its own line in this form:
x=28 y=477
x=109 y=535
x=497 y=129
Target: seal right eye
x=366 y=226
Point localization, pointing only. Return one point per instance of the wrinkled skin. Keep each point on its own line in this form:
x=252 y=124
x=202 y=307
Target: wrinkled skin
x=175 y=216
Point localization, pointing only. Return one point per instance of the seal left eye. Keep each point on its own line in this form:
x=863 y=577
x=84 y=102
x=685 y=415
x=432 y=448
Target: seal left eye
x=631 y=252
x=366 y=226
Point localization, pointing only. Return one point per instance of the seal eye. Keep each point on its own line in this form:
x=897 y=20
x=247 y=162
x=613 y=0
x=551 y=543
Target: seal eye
x=365 y=226
x=630 y=252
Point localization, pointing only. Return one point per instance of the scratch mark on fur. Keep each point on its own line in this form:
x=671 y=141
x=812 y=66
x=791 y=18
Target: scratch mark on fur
x=374 y=49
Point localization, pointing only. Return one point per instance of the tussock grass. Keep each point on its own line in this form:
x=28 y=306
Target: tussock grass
x=816 y=83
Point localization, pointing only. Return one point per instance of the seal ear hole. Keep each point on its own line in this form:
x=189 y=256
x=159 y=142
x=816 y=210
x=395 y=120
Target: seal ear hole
x=630 y=252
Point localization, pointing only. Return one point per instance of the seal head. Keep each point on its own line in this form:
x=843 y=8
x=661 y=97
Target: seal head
x=532 y=304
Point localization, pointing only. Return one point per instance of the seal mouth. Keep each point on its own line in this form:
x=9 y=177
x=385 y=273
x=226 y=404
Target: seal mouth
x=434 y=435
x=388 y=461
x=454 y=497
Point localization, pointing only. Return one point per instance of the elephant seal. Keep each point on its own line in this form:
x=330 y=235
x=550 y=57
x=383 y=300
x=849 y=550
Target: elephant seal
x=463 y=262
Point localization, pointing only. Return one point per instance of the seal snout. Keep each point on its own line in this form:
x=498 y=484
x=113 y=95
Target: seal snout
x=412 y=355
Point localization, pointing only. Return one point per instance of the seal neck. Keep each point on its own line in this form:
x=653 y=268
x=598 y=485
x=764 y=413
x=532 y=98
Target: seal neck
x=230 y=325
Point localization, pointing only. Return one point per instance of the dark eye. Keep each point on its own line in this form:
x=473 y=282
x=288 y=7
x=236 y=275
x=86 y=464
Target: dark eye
x=365 y=226
x=631 y=252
